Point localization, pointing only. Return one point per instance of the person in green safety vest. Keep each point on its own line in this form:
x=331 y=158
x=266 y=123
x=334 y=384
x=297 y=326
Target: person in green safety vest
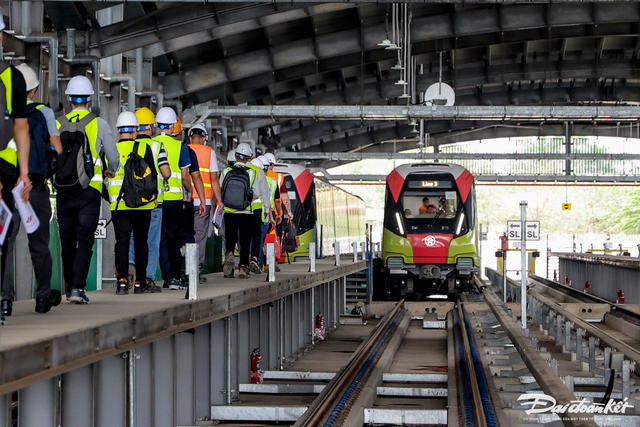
x=14 y=153
x=136 y=220
x=173 y=207
x=79 y=209
x=45 y=146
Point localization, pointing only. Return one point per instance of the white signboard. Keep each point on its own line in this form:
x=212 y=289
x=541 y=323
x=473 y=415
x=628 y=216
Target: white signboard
x=101 y=229
x=514 y=230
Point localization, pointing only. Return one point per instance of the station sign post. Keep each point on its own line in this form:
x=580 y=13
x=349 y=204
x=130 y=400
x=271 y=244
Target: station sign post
x=523 y=277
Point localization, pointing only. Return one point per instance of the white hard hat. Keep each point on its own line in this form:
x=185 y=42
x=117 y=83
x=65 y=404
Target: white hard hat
x=271 y=157
x=198 y=129
x=79 y=86
x=231 y=157
x=264 y=160
x=257 y=162
x=29 y=75
x=166 y=116
x=127 y=119
x=244 y=149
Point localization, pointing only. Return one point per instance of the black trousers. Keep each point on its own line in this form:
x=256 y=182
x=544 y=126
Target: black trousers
x=238 y=224
x=78 y=215
x=8 y=179
x=256 y=233
x=138 y=222
x=38 y=245
x=172 y=222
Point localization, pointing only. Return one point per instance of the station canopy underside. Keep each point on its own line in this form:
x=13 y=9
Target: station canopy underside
x=217 y=55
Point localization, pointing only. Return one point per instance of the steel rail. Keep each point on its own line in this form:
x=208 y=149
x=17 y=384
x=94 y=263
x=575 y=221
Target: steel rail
x=589 y=328
x=476 y=398
x=616 y=309
x=323 y=406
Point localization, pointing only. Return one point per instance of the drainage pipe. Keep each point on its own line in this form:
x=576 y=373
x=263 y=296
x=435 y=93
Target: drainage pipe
x=157 y=94
x=131 y=88
x=139 y=61
x=71 y=43
x=52 y=40
x=175 y=104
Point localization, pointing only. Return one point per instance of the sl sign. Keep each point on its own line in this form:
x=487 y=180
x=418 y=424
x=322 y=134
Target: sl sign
x=514 y=230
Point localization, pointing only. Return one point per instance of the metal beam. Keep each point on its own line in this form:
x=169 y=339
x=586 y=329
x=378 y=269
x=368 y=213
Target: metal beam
x=483 y=2
x=556 y=179
x=354 y=156
x=394 y=112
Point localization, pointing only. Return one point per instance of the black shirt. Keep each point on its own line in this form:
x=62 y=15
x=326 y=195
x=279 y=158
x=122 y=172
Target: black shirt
x=19 y=95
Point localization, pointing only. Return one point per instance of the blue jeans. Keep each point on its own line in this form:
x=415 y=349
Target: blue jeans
x=265 y=230
x=153 y=241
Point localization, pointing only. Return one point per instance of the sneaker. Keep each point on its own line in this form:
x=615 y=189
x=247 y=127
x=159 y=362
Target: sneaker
x=43 y=305
x=123 y=287
x=6 y=307
x=78 y=297
x=244 y=272
x=254 y=267
x=229 y=262
x=175 y=285
x=138 y=288
x=151 y=287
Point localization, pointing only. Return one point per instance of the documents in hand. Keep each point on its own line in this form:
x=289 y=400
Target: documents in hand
x=5 y=220
x=217 y=217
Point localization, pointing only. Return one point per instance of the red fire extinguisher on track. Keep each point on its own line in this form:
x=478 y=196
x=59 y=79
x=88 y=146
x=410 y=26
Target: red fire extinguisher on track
x=256 y=373
x=320 y=332
x=587 y=288
x=567 y=281
x=620 y=297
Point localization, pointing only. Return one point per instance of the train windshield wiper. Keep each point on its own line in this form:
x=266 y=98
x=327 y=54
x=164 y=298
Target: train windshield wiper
x=440 y=212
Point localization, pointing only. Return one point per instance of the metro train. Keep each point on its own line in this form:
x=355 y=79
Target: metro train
x=430 y=237
x=322 y=212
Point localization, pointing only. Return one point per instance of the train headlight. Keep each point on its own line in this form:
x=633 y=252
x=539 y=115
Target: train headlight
x=460 y=223
x=400 y=223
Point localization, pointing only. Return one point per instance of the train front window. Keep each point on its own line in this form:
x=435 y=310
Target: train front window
x=430 y=204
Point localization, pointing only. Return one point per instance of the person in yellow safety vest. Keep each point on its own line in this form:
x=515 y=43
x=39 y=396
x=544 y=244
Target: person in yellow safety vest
x=44 y=138
x=79 y=210
x=172 y=206
x=261 y=207
x=14 y=153
x=282 y=187
x=146 y=124
x=238 y=222
x=188 y=234
x=136 y=220
x=274 y=195
x=208 y=165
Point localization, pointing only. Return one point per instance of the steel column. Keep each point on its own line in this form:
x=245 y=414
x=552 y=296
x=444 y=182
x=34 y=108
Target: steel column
x=185 y=378
x=77 y=397
x=37 y=404
x=202 y=364
x=144 y=389
x=244 y=348
x=234 y=354
x=164 y=382
x=5 y=409
x=217 y=367
x=111 y=392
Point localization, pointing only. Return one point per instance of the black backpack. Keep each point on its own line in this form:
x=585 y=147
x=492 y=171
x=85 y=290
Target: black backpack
x=289 y=241
x=236 y=188
x=75 y=163
x=140 y=183
x=40 y=141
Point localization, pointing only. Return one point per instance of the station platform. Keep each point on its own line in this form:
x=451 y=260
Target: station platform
x=34 y=347
x=607 y=274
